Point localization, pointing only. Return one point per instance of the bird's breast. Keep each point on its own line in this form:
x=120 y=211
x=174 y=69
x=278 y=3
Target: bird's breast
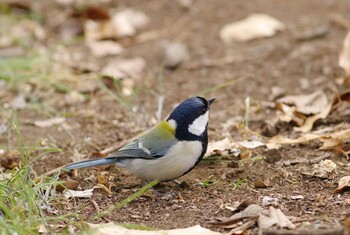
x=180 y=158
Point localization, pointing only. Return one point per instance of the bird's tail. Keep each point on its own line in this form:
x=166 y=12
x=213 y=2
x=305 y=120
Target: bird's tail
x=90 y=163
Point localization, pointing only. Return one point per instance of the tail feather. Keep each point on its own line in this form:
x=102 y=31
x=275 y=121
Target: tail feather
x=90 y=163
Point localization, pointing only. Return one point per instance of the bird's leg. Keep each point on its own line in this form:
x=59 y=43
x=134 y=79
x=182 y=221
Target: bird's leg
x=164 y=194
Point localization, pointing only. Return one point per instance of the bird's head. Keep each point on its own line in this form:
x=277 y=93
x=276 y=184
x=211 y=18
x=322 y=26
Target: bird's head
x=190 y=118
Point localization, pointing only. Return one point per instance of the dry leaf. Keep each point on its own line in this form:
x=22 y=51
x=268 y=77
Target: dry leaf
x=261 y=184
x=49 y=122
x=309 y=122
x=11 y=159
x=254 y=26
x=275 y=217
x=251 y=144
x=334 y=140
x=252 y=211
x=110 y=228
x=42 y=229
x=125 y=68
x=80 y=194
x=344 y=183
x=69 y=184
x=216 y=148
x=344 y=57
x=313 y=103
x=103 y=178
x=324 y=169
x=5 y=176
x=104 y=48
x=125 y=23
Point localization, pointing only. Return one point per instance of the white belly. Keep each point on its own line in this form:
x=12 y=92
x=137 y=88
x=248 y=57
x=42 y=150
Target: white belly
x=180 y=158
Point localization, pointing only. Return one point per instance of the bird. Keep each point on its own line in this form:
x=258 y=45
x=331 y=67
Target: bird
x=169 y=150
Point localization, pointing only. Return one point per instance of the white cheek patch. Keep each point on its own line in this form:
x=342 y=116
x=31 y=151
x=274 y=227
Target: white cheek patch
x=172 y=123
x=198 y=126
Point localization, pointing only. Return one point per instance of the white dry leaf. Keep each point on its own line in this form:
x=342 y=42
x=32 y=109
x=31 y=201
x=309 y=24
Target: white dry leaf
x=335 y=140
x=313 y=103
x=49 y=122
x=111 y=229
x=218 y=146
x=253 y=27
x=309 y=122
x=104 y=48
x=344 y=57
x=343 y=184
x=125 y=68
x=5 y=176
x=128 y=22
x=324 y=169
x=275 y=217
x=251 y=144
x=68 y=193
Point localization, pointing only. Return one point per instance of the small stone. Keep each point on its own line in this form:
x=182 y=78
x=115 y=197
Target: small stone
x=175 y=54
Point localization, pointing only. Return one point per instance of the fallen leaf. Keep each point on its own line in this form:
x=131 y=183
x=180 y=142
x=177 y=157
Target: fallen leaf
x=344 y=183
x=275 y=217
x=127 y=22
x=42 y=229
x=261 y=184
x=309 y=122
x=103 y=178
x=309 y=104
x=104 y=48
x=110 y=228
x=79 y=194
x=10 y=159
x=216 y=148
x=124 y=23
x=253 y=27
x=268 y=201
x=324 y=169
x=69 y=184
x=334 y=140
x=252 y=211
x=5 y=176
x=251 y=144
x=49 y=122
x=125 y=68
x=344 y=57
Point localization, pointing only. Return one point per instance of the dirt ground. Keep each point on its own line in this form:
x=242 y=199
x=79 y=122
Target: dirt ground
x=289 y=60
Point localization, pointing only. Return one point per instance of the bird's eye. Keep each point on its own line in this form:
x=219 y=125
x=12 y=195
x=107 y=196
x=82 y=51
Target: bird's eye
x=203 y=111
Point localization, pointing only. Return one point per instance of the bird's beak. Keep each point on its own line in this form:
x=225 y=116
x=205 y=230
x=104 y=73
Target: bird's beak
x=210 y=101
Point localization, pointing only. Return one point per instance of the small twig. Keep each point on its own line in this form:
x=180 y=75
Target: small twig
x=97 y=208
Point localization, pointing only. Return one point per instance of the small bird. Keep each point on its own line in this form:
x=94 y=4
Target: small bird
x=169 y=150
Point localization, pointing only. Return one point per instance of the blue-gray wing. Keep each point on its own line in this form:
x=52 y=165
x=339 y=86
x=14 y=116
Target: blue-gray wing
x=147 y=147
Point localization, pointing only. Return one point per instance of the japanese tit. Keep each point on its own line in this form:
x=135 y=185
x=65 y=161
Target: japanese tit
x=169 y=150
